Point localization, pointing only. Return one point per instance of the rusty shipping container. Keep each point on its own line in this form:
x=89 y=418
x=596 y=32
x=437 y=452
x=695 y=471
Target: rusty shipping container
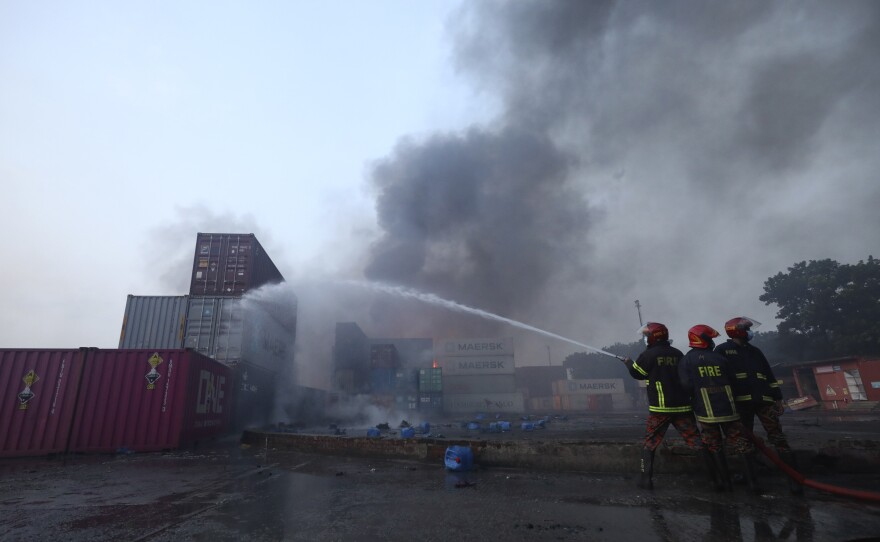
x=232 y=331
x=149 y=400
x=154 y=322
x=38 y=388
x=230 y=264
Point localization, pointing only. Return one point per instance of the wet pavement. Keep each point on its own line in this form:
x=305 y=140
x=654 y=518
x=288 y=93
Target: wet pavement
x=234 y=492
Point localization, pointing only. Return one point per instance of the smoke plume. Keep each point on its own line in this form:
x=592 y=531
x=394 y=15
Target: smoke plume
x=677 y=152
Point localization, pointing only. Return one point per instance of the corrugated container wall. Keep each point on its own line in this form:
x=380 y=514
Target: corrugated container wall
x=149 y=400
x=230 y=264
x=384 y=356
x=154 y=322
x=480 y=384
x=231 y=332
x=351 y=348
x=38 y=388
x=255 y=395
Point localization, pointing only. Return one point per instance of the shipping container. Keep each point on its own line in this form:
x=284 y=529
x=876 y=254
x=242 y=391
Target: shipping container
x=584 y=403
x=406 y=402
x=446 y=348
x=154 y=322
x=541 y=404
x=39 y=399
x=431 y=380
x=431 y=402
x=599 y=386
x=483 y=402
x=477 y=365
x=382 y=380
x=480 y=384
x=255 y=391
x=231 y=331
x=384 y=356
x=406 y=380
x=230 y=264
x=149 y=400
x=351 y=348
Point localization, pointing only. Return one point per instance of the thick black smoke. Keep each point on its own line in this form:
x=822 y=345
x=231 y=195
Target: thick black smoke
x=678 y=152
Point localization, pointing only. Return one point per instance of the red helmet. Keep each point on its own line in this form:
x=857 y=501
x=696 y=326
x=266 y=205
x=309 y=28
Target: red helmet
x=654 y=333
x=701 y=335
x=740 y=327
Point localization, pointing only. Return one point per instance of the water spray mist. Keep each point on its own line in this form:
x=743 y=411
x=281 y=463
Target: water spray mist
x=452 y=305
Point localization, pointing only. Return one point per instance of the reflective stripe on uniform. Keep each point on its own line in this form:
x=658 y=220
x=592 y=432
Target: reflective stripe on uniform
x=742 y=375
x=661 y=399
x=761 y=376
x=707 y=403
x=743 y=398
x=769 y=399
x=670 y=409
x=722 y=419
x=639 y=369
x=774 y=385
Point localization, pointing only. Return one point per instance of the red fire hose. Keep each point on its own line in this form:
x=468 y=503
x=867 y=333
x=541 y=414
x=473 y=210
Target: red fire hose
x=799 y=478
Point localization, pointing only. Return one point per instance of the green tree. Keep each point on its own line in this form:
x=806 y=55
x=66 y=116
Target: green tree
x=827 y=308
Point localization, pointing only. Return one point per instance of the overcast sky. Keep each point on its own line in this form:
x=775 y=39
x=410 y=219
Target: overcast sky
x=548 y=161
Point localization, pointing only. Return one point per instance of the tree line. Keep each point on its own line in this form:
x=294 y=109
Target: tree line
x=826 y=310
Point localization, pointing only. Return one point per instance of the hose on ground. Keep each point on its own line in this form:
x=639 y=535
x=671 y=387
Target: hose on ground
x=801 y=479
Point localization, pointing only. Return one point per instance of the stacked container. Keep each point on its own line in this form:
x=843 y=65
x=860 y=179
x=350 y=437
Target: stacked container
x=154 y=322
x=230 y=264
x=479 y=375
x=431 y=389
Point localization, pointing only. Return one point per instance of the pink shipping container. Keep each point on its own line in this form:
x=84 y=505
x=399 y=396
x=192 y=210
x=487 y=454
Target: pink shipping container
x=150 y=400
x=38 y=390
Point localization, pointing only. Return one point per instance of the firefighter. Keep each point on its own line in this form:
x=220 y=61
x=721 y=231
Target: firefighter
x=707 y=375
x=755 y=388
x=668 y=403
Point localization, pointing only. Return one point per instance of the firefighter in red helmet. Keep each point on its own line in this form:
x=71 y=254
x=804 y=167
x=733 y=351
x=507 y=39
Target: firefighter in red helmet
x=755 y=388
x=669 y=404
x=707 y=375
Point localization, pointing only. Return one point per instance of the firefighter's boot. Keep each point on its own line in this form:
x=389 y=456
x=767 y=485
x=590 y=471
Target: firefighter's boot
x=647 y=470
x=711 y=470
x=750 y=468
x=720 y=461
x=794 y=486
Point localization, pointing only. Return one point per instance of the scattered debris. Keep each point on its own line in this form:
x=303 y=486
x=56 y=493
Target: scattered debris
x=383 y=426
x=340 y=473
x=404 y=423
x=464 y=483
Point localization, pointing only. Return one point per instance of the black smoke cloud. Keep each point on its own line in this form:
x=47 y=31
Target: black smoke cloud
x=678 y=152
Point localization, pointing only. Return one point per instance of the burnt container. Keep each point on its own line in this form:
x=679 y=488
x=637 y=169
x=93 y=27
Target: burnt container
x=230 y=264
x=154 y=322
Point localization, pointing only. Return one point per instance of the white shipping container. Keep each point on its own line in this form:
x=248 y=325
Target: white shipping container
x=473 y=347
x=154 y=322
x=484 y=402
x=600 y=386
x=478 y=365
x=480 y=384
